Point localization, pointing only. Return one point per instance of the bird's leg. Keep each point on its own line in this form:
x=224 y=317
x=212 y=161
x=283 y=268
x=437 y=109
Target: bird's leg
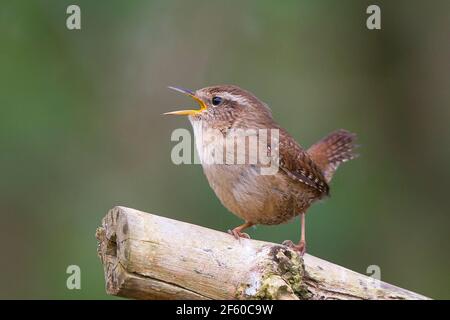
x=302 y=243
x=301 y=246
x=237 y=232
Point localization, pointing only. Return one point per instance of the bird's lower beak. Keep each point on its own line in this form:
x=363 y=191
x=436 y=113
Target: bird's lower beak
x=188 y=112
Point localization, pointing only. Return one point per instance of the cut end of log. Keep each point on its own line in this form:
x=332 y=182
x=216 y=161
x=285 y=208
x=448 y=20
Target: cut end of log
x=146 y=256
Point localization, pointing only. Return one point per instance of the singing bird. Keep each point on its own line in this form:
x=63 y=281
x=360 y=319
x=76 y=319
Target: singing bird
x=302 y=176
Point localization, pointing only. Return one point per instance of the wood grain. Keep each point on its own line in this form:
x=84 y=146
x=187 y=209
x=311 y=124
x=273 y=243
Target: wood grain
x=146 y=256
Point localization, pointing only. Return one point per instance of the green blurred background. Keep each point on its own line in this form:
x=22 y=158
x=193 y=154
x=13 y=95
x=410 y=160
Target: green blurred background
x=81 y=128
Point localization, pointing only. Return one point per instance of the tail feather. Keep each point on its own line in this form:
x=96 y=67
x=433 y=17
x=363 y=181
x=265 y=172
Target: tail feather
x=331 y=151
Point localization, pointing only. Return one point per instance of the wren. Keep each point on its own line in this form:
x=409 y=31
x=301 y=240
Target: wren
x=302 y=176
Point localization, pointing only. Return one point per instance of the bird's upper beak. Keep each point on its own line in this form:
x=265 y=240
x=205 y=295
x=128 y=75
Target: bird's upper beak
x=188 y=112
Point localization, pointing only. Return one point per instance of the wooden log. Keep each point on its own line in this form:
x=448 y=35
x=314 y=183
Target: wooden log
x=146 y=256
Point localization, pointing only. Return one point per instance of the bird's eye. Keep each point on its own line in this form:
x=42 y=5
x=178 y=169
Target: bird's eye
x=216 y=101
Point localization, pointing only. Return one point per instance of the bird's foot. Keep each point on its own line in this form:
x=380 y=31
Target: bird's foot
x=238 y=234
x=300 y=247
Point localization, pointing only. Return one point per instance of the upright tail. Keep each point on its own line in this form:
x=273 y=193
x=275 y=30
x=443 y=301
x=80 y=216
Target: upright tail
x=333 y=150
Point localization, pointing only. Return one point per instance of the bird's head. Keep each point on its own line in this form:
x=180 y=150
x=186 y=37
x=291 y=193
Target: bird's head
x=221 y=106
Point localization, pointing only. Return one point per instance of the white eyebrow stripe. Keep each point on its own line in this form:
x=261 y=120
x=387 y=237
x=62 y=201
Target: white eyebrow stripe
x=236 y=98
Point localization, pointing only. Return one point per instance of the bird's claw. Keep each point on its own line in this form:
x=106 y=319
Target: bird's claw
x=238 y=235
x=300 y=247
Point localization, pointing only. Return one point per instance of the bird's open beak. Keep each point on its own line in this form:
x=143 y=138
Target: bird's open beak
x=188 y=112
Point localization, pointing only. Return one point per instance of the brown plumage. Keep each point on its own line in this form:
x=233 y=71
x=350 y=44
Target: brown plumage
x=333 y=150
x=302 y=176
